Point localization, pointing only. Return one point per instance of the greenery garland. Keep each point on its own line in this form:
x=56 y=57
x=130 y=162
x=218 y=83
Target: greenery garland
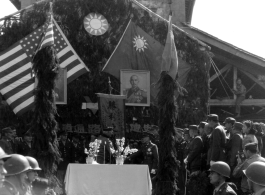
x=167 y=172
x=95 y=50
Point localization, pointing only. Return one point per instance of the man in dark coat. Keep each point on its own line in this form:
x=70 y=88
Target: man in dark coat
x=6 y=142
x=149 y=152
x=65 y=147
x=76 y=150
x=229 y=123
x=193 y=160
x=217 y=140
x=25 y=146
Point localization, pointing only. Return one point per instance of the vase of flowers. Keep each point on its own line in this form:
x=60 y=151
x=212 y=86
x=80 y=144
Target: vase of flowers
x=92 y=152
x=122 y=152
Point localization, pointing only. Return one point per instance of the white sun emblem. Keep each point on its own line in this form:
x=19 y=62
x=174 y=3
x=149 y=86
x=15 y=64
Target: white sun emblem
x=139 y=43
x=96 y=24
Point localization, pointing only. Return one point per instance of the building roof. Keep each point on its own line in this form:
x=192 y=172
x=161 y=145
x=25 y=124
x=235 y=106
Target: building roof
x=227 y=50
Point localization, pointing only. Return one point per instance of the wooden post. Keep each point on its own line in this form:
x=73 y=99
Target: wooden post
x=234 y=79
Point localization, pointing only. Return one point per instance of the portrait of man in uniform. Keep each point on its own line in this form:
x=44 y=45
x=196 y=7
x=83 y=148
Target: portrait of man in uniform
x=135 y=85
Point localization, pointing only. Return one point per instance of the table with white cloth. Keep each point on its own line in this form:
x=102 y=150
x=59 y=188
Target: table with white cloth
x=87 y=179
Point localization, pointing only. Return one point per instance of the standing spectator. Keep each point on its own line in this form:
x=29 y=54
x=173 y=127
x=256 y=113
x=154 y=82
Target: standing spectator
x=6 y=142
x=217 y=140
x=240 y=93
x=259 y=135
x=249 y=132
x=256 y=174
x=234 y=145
x=193 y=160
x=229 y=122
x=65 y=147
x=219 y=171
x=251 y=153
x=25 y=146
x=76 y=150
x=104 y=152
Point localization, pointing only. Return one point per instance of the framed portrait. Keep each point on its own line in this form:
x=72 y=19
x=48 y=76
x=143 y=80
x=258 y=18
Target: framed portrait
x=135 y=84
x=61 y=87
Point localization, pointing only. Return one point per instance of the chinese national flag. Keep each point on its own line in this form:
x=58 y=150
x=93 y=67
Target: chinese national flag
x=137 y=50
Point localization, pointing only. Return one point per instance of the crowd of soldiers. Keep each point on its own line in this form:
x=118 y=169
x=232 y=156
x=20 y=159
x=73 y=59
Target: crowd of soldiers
x=226 y=150
x=231 y=153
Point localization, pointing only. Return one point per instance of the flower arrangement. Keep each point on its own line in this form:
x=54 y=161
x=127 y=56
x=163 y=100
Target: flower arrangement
x=93 y=148
x=121 y=150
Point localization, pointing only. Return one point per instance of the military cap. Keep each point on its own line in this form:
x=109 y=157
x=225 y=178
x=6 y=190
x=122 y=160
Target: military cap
x=147 y=134
x=238 y=126
x=253 y=147
x=7 y=130
x=108 y=129
x=213 y=117
x=186 y=131
x=230 y=120
x=202 y=124
x=60 y=133
x=193 y=127
x=178 y=129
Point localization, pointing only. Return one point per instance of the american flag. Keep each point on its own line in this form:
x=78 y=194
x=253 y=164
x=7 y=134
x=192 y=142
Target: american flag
x=16 y=82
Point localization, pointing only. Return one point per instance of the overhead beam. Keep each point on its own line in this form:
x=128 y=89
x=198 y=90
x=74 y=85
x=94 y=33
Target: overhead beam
x=254 y=79
x=217 y=74
x=231 y=102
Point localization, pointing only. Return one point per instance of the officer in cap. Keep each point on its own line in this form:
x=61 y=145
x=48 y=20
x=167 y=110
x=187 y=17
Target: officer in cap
x=219 y=171
x=256 y=177
x=149 y=152
x=217 y=140
x=252 y=155
x=25 y=146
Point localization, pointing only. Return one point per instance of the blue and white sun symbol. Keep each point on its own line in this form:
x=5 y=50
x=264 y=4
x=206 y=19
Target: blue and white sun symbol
x=96 y=24
x=139 y=43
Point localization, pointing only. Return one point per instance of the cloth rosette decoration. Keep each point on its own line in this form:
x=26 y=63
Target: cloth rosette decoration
x=92 y=152
x=122 y=152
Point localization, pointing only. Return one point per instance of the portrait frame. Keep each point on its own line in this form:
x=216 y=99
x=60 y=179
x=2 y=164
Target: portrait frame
x=140 y=95
x=61 y=87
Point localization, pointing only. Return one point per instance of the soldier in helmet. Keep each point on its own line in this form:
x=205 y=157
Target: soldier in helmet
x=17 y=167
x=219 y=171
x=3 y=158
x=37 y=185
x=256 y=174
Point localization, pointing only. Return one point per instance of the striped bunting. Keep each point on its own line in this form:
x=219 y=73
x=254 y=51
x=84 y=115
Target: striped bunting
x=16 y=83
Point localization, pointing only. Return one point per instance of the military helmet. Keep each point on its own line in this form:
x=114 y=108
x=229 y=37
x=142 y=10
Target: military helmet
x=3 y=155
x=256 y=173
x=16 y=164
x=221 y=168
x=33 y=163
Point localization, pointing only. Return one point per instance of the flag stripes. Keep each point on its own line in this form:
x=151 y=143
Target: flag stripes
x=16 y=82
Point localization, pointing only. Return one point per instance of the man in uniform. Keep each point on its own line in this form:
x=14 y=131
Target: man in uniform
x=219 y=171
x=76 y=152
x=256 y=174
x=25 y=146
x=193 y=160
x=65 y=147
x=217 y=140
x=104 y=152
x=252 y=155
x=135 y=94
x=149 y=152
x=6 y=142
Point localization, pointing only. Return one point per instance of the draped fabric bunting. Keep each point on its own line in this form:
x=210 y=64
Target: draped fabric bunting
x=111 y=109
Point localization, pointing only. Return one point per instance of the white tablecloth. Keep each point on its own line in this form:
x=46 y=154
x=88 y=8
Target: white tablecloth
x=84 y=179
